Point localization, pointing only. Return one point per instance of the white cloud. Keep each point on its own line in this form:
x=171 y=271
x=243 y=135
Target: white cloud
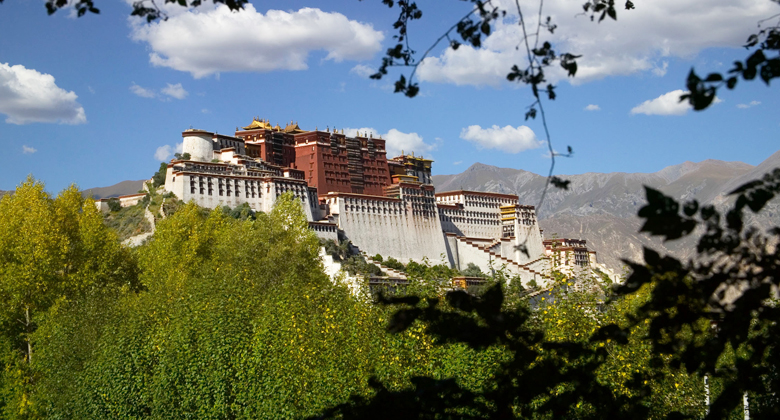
x=661 y=71
x=666 y=104
x=592 y=107
x=28 y=96
x=457 y=162
x=468 y=66
x=205 y=111
x=171 y=91
x=164 y=153
x=746 y=106
x=218 y=40
x=142 y=91
x=641 y=40
x=27 y=150
x=175 y=91
x=362 y=70
x=397 y=141
x=508 y=139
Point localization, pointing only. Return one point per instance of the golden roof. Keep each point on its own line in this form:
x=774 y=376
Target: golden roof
x=293 y=127
x=258 y=123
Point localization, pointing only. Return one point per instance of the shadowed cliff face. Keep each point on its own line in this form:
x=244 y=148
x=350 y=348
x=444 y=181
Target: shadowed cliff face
x=602 y=207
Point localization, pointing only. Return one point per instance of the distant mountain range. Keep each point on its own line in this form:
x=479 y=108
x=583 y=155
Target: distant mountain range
x=601 y=208
x=122 y=188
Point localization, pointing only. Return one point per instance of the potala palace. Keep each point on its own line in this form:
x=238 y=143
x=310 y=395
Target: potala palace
x=349 y=189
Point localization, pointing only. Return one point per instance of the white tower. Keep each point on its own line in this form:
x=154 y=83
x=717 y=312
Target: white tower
x=198 y=144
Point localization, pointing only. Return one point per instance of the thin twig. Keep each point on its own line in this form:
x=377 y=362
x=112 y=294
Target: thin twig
x=538 y=24
x=446 y=35
x=769 y=18
x=531 y=63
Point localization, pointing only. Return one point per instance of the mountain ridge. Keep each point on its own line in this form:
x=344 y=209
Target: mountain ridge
x=602 y=207
x=121 y=188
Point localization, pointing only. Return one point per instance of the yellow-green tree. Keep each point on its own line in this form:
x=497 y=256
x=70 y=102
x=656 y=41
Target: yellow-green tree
x=50 y=250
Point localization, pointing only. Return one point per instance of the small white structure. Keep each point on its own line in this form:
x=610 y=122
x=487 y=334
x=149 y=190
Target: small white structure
x=124 y=201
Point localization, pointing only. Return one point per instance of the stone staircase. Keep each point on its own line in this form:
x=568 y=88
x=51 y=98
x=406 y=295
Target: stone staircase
x=139 y=239
x=503 y=260
x=390 y=271
x=490 y=246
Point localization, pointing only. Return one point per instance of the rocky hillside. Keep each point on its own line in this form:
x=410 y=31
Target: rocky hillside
x=602 y=207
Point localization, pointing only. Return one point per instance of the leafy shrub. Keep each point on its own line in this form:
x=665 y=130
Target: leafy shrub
x=242 y=212
x=394 y=264
x=113 y=204
x=128 y=221
x=356 y=264
x=472 y=270
x=171 y=206
x=339 y=251
x=159 y=177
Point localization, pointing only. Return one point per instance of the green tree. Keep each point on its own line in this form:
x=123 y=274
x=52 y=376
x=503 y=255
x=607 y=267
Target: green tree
x=472 y=270
x=159 y=177
x=236 y=320
x=114 y=204
x=716 y=314
x=50 y=250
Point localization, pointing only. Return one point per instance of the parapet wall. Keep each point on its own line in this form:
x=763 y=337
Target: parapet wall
x=388 y=227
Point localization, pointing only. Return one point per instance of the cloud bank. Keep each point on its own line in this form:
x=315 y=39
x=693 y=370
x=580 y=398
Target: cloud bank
x=508 y=139
x=666 y=104
x=28 y=96
x=397 y=141
x=171 y=91
x=218 y=40
x=641 y=40
x=175 y=91
x=750 y=105
x=164 y=153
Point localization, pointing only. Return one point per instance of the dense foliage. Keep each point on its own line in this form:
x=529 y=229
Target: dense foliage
x=214 y=317
x=223 y=315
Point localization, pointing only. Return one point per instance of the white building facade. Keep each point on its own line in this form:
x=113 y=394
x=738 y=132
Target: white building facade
x=410 y=222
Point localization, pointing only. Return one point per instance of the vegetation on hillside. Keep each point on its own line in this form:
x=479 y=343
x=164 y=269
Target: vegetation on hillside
x=128 y=221
x=232 y=317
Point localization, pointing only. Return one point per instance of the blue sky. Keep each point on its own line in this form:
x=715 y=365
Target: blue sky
x=100 y=99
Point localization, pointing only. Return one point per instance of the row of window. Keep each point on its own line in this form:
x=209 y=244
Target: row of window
x=224 y=187
x=469 y=213
x=377 y=210
x=469 y=221
x=364 y=202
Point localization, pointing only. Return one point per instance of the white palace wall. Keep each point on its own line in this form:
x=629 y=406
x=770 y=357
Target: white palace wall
x=212 y=191
x=473 y=214
x=530 y=236
x=388 y=227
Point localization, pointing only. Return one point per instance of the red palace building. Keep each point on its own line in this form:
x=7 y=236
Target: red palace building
x=332 y=161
